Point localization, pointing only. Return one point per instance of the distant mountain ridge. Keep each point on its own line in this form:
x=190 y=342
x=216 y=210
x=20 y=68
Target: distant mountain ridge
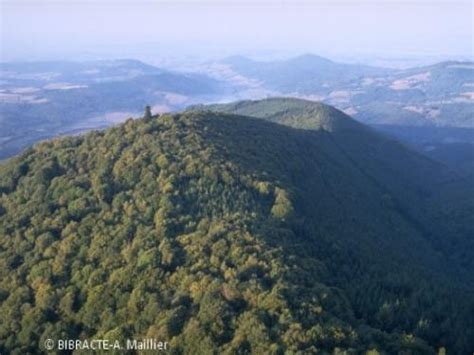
x=301 y=73
x=39 y=100
x=433 y=95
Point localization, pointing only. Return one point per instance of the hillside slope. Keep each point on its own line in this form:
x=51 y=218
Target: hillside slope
x=420 y=188
x=221 y=234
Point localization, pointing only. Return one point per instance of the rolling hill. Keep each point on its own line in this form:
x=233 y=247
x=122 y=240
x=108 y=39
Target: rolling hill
x=433 y=95
x=41 y=100
x=275 y=226
x=306 y=74
x=413 y=179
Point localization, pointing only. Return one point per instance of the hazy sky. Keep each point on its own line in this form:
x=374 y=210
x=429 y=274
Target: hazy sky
x=32 y=29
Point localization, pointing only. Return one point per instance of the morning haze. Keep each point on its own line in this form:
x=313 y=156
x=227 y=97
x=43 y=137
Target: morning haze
x=350 y=30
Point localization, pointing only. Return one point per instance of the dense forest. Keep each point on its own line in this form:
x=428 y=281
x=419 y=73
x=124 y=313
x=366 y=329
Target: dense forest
x=228 y=234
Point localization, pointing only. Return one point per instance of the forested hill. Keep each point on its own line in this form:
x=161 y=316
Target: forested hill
x=229 y=234
x=424 y=191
